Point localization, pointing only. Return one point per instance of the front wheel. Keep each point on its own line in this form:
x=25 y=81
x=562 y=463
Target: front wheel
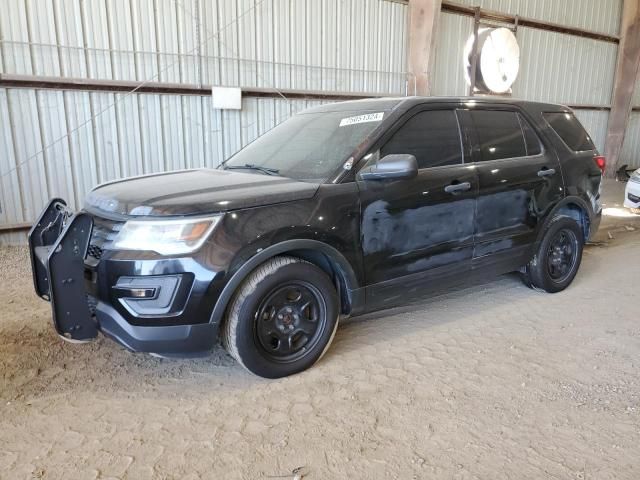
x=282 y=318
x=556 y=263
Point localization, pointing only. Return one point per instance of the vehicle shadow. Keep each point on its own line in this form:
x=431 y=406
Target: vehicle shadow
x=435 y=308
x=35 y=362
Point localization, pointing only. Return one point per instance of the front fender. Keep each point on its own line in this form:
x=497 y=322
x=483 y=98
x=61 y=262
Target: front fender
x=238 y=276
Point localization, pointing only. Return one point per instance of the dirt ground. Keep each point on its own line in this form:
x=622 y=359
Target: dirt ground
x=491 y=381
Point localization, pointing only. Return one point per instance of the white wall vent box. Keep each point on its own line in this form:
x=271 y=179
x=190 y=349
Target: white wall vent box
x=227 y=98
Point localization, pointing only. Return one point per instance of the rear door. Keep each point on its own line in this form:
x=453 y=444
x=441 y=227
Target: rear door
x=519 y=182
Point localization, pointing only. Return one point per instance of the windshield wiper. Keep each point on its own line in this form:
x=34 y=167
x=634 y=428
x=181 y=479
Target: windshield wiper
x=250 y=166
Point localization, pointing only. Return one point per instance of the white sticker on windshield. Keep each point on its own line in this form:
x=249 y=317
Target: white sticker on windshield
x=369 y=117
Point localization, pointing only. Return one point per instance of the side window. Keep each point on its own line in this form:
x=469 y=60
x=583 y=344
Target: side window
x=531 y=139
x=567 y=126
x=433 y=137
x=499 y=134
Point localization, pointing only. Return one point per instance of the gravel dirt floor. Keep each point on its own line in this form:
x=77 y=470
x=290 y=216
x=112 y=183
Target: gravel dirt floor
x=490 y=381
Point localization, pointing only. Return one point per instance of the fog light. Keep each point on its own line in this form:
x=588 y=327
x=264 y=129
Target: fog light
x=142 y=292
x=147 y=295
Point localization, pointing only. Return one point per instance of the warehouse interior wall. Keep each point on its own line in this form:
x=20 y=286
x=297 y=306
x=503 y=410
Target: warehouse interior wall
x=555 y=67
x=141 y=134
x=337 y=46
x=630 y=154
x=354 y=45
x=328 y=45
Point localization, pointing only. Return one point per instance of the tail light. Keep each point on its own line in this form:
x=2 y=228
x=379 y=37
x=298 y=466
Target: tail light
x=601 y=162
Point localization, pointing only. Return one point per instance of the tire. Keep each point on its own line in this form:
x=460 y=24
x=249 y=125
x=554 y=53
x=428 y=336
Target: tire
x=556 y=262
x=268 y=329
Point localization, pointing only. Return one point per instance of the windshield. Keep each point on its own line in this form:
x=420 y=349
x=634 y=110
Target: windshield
x=307 y=147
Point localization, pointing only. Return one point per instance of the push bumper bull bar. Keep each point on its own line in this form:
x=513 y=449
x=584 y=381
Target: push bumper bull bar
x=58 y=244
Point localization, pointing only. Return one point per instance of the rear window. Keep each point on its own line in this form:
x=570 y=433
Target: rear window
x=568 y=128
x=499 y=134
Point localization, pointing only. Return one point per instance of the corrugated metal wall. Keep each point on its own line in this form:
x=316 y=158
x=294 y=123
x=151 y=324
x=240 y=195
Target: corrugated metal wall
x=559 y=68
x=330 y=45
x=142 y=134
x=631 y=149
x=554 y=67
x=338 y=45
x=595 y=121
x=448 y=70
x=596 y=15
x=636 y=94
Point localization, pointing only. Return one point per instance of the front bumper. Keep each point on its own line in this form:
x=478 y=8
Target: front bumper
x=145 y=305
x=632 y=195
x=170 y=340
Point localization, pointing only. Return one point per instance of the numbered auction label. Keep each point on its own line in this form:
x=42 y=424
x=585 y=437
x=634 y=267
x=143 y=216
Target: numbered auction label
x=369 y=117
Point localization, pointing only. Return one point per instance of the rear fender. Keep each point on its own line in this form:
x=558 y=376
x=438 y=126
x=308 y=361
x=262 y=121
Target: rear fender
x=567 y=207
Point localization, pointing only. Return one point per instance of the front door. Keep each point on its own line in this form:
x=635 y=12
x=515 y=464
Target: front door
x=419 y=229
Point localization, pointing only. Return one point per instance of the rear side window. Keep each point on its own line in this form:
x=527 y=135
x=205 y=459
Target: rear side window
x=433 y=137
x=568 y=128
x=499 y=134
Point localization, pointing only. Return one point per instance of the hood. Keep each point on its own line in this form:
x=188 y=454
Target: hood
x=193 y=192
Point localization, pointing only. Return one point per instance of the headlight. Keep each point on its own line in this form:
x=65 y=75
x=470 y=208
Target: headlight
x=166 y=237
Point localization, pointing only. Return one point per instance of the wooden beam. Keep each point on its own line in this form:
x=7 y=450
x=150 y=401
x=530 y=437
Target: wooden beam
x=424 y=17
x=624 y=85
x=15 y=227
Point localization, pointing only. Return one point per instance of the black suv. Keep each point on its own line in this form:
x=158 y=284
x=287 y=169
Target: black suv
x=340 y=210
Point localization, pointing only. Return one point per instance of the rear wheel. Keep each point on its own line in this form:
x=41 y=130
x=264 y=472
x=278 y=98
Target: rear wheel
x=556 y=263
x=282 y=319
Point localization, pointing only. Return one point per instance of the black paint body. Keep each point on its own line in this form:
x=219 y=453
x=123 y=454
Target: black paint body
x=382 y=241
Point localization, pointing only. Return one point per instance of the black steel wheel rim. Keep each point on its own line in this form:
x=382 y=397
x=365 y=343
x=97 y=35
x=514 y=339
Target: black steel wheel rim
x=562 y=255
x=290 y=321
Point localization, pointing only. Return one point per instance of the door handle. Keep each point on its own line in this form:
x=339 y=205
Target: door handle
x=457 y=187
x=546 y=172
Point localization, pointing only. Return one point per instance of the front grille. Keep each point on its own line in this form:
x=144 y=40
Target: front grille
x=104 y=232
x=95 y=252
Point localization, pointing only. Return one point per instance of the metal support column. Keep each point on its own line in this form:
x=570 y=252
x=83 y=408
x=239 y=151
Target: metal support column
x=625 y=81
x=424 y=17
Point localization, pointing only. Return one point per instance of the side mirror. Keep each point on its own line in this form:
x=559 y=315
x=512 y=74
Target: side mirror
x=397 y=166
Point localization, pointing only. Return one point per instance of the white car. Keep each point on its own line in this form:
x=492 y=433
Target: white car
x=632 y=192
